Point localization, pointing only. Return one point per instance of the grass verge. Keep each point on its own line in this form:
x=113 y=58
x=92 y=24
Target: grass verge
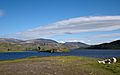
x=60 y=65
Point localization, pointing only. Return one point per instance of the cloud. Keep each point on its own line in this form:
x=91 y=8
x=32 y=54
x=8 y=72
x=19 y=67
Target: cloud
x=72 y=26
x=72 y=40
x=75 y=39
x=1 y=13
x=106 y=35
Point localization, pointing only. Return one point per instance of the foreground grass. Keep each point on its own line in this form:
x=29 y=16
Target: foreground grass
x=60 y=65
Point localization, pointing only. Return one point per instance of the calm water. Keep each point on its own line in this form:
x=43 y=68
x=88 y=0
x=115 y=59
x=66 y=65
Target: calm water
x=87 y=53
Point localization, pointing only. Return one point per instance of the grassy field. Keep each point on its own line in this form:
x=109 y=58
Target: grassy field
x=60 y=65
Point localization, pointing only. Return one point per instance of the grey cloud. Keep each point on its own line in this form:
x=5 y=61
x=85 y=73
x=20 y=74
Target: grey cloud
x=73 y=25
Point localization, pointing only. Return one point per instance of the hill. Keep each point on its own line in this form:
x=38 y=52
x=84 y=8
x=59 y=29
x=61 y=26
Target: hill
x=41 y=40
x=11 y=44
x=74 y=45
x=111 y=45
x=10 y=40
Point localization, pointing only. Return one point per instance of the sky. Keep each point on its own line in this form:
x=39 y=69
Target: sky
x=87 y=21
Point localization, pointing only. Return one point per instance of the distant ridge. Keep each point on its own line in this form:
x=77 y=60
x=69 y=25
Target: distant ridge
x=12 y=44
x=111 y=45
x=10 y=40
x=41 y=40
x=44 y=44
x=74 y=45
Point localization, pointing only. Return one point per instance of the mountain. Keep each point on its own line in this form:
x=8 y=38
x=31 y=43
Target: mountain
x=11 y=44
x=38 y=41
x=74 y=45
x=10 y=40
x=111 y=45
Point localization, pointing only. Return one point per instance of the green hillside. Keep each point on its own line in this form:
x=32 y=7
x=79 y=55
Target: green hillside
x=111 y=45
